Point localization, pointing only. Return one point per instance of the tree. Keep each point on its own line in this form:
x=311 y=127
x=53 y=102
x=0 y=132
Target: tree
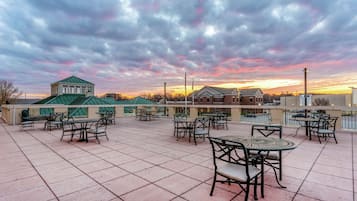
x=321 y=102
x=8 y=92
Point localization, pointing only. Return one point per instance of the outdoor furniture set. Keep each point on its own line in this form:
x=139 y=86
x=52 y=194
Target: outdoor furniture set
x=323 y=126
x=85 y=128
x=241 y=159
x=197 y=128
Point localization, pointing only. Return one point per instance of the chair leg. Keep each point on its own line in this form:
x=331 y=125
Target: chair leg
x=280 y=166
x=334 y=136
x=213 y=185
x=247 y=191
x=255 y=188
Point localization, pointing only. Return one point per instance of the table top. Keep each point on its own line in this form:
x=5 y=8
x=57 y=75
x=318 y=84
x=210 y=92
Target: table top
x=304 y=119
x=84 y=120
x=262 y=143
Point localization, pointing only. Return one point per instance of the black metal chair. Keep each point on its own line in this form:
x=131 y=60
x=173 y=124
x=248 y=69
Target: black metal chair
x=180 y=125
x=271 y=158
x=110 y=117
x=200 y=128
x=220 y=121
x=54 y=121
x=326 y=128
x=69 y=128
x=97 y=130
x=231 y=161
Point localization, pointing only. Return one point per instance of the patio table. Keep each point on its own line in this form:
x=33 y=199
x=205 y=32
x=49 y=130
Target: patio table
x=309 y=121
x=260 y=144
x=83 y=127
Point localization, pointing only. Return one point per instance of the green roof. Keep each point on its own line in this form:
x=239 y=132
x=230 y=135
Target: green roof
x=137 y=101
x=44 y=101
x=74 y=79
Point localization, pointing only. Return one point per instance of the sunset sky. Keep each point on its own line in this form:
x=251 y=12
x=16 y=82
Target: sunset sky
x=133 y=46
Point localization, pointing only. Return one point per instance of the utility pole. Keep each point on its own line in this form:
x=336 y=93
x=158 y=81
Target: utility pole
x=165 y=97
x=305 y=90
x=185 y=95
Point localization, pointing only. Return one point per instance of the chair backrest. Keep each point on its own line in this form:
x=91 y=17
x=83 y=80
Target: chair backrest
x=101 y=123
x=180 y=116
x=266 y=130
x=229 y=152
x=327 y=123
x=202 y=123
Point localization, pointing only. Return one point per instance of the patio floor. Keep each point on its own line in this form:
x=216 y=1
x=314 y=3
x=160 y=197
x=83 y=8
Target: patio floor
x=143 y=161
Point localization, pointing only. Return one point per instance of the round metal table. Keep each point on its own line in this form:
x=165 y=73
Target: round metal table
x=262 y=143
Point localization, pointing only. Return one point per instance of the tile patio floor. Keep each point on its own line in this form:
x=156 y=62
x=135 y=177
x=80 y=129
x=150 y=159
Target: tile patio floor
x=143 y=161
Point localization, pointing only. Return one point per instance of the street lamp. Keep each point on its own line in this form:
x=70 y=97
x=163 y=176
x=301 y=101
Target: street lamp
x=305 y=90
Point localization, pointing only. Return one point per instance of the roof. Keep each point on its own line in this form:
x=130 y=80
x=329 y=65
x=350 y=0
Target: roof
x=73 y=99
x=65 y=99
x=137 y=100
x=74 y=79
x=250 y=92
x=216 y=91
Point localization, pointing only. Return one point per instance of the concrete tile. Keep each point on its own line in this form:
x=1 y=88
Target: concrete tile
x=323 y=192
x=148 y=193
x=125 y=184
x=108 y=174
x=154 y=173
x=177 y=183
x=202 y=191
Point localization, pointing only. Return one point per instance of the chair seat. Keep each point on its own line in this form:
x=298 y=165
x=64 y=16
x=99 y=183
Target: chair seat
x=94 y=130
x=271 y=155
x=201 y=131
x=237 y=172
x=325 y=131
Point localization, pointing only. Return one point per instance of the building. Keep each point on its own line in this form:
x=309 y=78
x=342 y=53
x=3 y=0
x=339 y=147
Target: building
x=252 y=96
x=73 y=91
x=331 y=99
x=216 y=96
x=72 y=85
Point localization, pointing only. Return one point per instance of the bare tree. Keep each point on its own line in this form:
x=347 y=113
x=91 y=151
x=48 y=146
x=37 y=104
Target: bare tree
x=321 y=102
x=8 y=92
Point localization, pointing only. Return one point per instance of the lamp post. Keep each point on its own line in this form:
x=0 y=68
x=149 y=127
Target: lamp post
x=305 y=101
x=165 y=98
x=285 y=107
x=305 y=90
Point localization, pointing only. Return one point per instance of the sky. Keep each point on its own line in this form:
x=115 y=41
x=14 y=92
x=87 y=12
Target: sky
x=133 y=47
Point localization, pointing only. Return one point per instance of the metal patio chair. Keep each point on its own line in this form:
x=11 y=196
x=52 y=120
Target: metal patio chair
x=231 y=161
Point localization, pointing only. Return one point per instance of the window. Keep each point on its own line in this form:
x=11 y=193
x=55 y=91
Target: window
x=251 y=99
x=78 y=90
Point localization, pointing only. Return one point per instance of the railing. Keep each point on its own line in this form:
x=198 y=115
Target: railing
x=237 y=113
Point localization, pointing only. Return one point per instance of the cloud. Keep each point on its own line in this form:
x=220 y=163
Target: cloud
x=129 y=46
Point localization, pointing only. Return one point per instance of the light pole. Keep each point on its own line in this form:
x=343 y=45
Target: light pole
x=305 y=90
x=285 y=107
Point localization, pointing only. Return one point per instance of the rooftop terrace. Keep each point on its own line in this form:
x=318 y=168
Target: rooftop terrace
x=143 y=161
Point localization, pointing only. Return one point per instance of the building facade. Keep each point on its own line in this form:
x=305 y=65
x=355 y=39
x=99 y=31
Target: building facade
x=72 y=85
x=251 y=96
x=216 y=96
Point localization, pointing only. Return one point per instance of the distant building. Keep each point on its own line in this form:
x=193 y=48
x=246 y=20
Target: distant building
x=114 y=96
x=73 y=91
x=72 y=85
x=251 y=96
x=216 y=96
x=332 y=99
